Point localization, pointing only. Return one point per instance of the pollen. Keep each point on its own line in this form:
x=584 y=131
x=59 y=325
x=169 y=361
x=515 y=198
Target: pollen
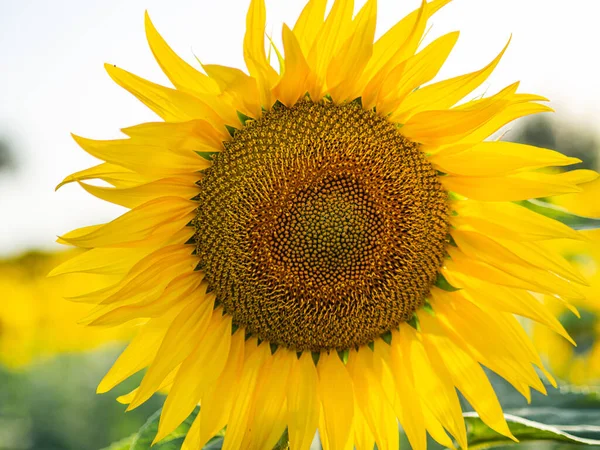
x=320 y=226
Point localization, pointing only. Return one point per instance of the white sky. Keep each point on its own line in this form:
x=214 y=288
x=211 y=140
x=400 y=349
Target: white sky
x=52 y=80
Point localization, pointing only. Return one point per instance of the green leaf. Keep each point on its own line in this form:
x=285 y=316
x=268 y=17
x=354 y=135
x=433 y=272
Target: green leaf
x=444 y=284
x=561 y=214
x=243 y=117
x=231 y=130
x=357 y=101
x=215 y=443
x=568 y=418
x=146 y=434
x=480 y=436
x=123 y=444
x=207 y=155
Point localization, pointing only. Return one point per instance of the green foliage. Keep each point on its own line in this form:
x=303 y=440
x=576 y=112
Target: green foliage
x=480 y=436
x=565 y=418
x=53 y=405
x=123 y=444
x=207 y=155
x=444 y=284
x=143 y=439
x=243 y=117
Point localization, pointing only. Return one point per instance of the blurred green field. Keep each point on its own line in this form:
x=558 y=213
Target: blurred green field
x=53 y=405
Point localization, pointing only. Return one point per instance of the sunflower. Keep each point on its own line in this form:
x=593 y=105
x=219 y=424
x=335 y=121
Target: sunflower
x=331 y=245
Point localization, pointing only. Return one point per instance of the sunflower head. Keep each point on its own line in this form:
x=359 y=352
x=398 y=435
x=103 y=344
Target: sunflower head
x=328 y=244
x=320 y=226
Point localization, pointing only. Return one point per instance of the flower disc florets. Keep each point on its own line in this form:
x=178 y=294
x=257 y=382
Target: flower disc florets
x=320 y=226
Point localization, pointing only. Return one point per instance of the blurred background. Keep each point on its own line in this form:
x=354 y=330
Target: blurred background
x=52 y=83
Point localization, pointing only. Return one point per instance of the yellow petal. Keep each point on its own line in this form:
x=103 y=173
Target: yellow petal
x=113 y=174
x=408 y=407
x=580 y=176
x=218 y=401
x=142 y=289
x=512 y=112
x=416 y=70
x=183 y=76
x=184 y=333
x=337 y=400
x=514 y=301
x=110 y=261
x=522 y=254
x=444 y=127
x=401 y=41
x=446 y=93
x=170 y=104
x=237 y=425
x=254 y=51
x=436 y=430
x=166 y=214
x=509 y=221
x=490 y=267
x=292 y=85
x=543 y=256
x=583 y=203
x=515 y=332
x=363 y=438
x=467 y=375
x=76 y=233
x=302 y=403
x=171 y=262
x=192 y=438
x=273 y=47
x=332 y=35
x=371 y=399
x=197 y=373
x=143 y=158
x=347 y=64
x=519 y=186
x=140 y=352
x=433 y=384
x=180 y=186
x=242 y=89
x=164 y=387
x=144 y=261
x=193 y=135
x=309 y=23
x=382 y=371
x=497 y=158
x=156 y=301
x=386 y=58
x=267 y=420
x=502 y=354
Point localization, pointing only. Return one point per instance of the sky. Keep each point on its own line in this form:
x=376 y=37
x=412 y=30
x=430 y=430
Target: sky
x=52 y=80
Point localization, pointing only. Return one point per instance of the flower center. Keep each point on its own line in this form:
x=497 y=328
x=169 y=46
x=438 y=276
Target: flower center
x=320 y=226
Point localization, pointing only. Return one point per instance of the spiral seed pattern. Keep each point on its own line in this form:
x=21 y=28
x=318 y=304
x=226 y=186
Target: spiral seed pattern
x=320 y=226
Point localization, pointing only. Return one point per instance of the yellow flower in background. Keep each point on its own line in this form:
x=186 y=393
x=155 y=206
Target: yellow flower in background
x=329 y=245
x=35 y=320
x=584 y=203
x=577 y=365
